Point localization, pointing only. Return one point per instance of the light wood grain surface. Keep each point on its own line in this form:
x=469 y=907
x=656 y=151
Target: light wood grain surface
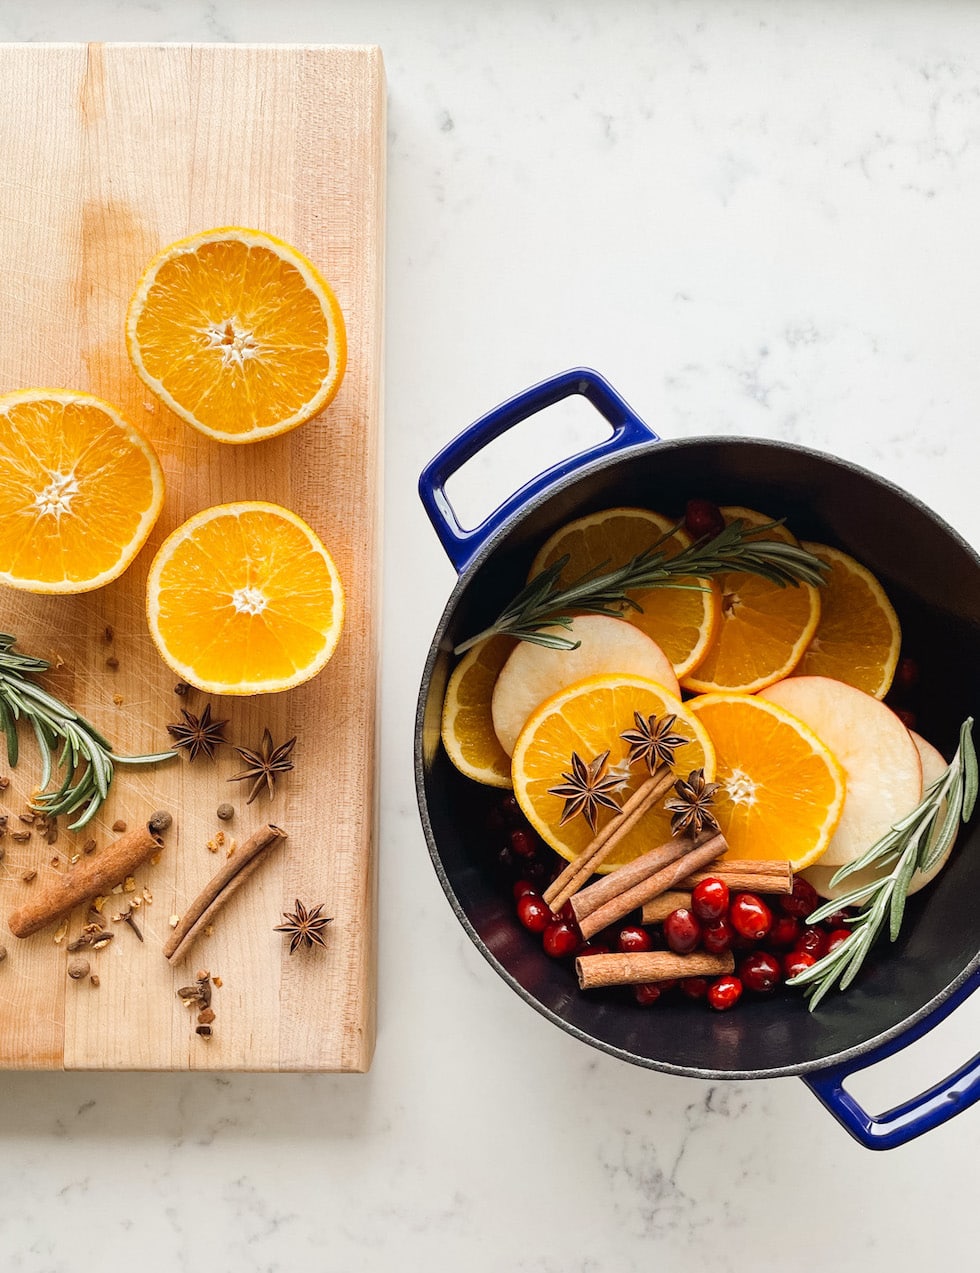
x=110 y=152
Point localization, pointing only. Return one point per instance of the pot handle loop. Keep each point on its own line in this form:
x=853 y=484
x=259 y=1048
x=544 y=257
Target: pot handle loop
x=955 y=1093
x=462 y=545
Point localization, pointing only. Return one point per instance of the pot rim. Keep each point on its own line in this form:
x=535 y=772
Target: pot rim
x=437 y=647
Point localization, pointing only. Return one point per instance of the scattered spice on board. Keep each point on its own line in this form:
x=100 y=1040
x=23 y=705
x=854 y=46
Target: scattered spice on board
x=78 y=968
x=265 y=764
x=305 y=927
x=198 y=735
x=225 y=811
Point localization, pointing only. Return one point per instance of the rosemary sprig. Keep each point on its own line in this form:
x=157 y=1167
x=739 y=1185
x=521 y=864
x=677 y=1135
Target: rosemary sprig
x=86 y=758
x=916 y=842
x=541 y=603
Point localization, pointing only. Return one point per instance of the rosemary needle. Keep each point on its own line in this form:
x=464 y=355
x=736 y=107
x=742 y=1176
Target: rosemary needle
x=543 y=604
x=86 y=758
x=917 y=842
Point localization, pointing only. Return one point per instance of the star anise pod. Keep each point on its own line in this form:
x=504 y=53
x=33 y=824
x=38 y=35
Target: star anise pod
x=198 y=734
x=691 y=806
x=586 y=788
x=652 y=742
x=306 y=927
x=263 y=765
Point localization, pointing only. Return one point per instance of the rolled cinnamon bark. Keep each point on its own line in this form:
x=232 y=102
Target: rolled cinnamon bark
x=578 y=871
x=219 y=889
x=90 y=877
x=638 y=881
x=747 y=876
x=658 y=908
x=640 y=967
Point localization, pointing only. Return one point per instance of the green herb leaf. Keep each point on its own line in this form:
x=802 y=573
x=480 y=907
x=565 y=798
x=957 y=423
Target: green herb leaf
x=543 y=604
x=917 y=841
x=85 y=758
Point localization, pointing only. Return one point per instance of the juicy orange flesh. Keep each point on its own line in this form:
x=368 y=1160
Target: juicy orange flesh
x=589 y=725
x=673 y=617
x=777 y=792
x=471 y=723
x=262 y=559
x=48 y=442
x=857 y=639
x=235 y=335
x=761 y=625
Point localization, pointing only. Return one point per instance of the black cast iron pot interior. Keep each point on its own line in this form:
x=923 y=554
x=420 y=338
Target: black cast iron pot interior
x=933 y=579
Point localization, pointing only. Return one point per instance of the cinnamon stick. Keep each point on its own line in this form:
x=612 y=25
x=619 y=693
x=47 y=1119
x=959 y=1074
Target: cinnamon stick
x=627 y=888
x=90 y=878
x=597 y=850
x=752 y=877
x=658 y=908
x=640 y=967
x=219 y=889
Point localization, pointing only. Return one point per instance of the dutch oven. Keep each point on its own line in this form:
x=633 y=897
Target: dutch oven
x=933 y=578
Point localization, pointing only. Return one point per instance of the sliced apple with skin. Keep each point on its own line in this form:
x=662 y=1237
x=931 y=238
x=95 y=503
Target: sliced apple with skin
x=933 y=766
x=880 y=761
x=534 y=672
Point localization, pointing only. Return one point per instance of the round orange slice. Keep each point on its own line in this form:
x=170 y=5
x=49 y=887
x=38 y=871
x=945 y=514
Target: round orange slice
x=587 y=719
x=468 y=734
x=80 y=490
x=244 y=599
x=782 y=791
x=682 y=621
x=764 y=628
x=238 y=333
x=858 y=637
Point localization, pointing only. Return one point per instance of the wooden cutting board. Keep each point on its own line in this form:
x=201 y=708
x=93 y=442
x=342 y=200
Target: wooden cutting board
x=109 y=152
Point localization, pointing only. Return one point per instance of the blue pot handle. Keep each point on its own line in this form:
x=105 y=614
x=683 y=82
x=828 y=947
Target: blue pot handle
x=951 y=1096
x=628 y=430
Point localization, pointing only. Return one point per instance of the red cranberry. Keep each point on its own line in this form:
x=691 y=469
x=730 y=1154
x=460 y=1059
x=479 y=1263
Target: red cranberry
x=907 y=673
x=837 y=920
x=694 y=987
x=813 y=941
x=835 y=939
x=703 y=518
x=709 y=900
x=523 y=843
x=511 y=810
x=682 y=930
x=802 y=901
x=592 y=948
x=760 y=972
x=716 y=938
x=523 y=887
x=534 y=913
x=749 y=916
x=561 y=939
x=908 y=719
x=724 y=993
x=784 y=932
x=632 y=938
x=647 y=993
x=668 y=983
x=567 y=914
x=795 y=962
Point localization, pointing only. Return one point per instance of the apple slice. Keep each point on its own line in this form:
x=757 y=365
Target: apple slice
x=880 y=761
x=534 y=672
x=933 y=765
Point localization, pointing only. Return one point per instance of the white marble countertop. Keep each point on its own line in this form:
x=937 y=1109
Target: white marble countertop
x=754 y=218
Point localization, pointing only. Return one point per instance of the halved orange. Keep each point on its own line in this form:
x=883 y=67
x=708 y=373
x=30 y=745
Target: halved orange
x=682 y=621
x=589 y=718
x=764 y=628
x=858 y=637
x=782 y=791
x=244 y=599
x=238 y=333
x=467 y=723
x=80 y=490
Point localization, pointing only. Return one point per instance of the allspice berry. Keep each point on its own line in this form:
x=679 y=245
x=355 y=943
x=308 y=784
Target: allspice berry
x=225 y=811
x=78 y=968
